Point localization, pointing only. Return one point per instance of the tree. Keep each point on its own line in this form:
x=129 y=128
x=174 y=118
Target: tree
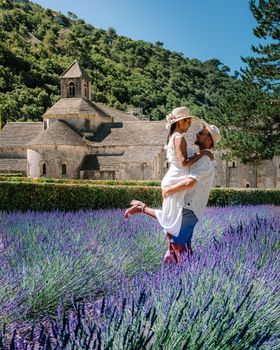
x=124 y=72
x=265 y=68
x=248 y=112
x=246 y=117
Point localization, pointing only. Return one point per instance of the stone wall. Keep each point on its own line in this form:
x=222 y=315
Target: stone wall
x=235 y=174
x=54 y=157
x=109 y=150
x=135 y=171
x=97 y=175
x=80 y=90
x=159 y=166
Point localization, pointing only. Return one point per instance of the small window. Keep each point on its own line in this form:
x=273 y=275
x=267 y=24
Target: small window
x=247 y=185
x=86 y=89
x=44 y=169
x=64 y=169
x=71 y=90
x=232 y=164
x=87 y=124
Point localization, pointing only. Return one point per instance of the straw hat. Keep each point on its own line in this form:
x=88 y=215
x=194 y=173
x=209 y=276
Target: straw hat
x=213 y=131
x=177 y=114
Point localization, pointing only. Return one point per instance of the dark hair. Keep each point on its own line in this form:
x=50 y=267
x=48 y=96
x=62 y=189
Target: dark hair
x=172 y=128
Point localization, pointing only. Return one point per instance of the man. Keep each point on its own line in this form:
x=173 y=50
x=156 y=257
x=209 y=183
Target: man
x=197 y=185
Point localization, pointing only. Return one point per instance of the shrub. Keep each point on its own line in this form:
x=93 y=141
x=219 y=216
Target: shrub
x=235 y=196
x=225 y=296
x=73 y=196
x=16 y=178
x=44 y=196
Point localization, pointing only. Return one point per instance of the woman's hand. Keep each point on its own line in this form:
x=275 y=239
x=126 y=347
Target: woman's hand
x=207 y=153
x=165 y=193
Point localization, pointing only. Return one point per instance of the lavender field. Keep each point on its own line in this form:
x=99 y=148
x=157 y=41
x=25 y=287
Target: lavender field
x=93 y=280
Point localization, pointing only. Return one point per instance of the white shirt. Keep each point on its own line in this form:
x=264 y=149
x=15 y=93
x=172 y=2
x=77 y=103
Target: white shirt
x=196 y=198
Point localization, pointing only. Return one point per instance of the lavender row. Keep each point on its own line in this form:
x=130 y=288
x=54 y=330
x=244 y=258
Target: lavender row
x=233 y=276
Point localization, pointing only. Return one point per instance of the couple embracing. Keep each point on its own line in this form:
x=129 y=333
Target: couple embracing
x=186 y=185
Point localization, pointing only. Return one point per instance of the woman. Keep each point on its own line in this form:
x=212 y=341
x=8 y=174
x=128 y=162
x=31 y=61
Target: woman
x=170 y=217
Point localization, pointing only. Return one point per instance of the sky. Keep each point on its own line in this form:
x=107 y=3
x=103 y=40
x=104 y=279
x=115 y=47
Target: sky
x=202 y=29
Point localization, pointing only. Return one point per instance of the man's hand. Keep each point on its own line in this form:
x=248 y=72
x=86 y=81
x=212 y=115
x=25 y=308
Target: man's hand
x=207 y=153
x=165 y=193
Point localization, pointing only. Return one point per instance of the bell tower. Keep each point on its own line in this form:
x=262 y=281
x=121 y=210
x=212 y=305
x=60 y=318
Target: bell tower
x=75 y=83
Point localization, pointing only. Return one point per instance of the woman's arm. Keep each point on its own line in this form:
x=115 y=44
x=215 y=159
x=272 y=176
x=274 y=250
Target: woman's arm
x=181 y=151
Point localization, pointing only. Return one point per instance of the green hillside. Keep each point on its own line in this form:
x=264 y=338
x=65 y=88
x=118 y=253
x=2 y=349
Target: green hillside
x=37 y=44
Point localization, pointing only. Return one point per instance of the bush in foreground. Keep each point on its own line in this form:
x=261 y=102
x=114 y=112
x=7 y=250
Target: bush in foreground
x=225 y=297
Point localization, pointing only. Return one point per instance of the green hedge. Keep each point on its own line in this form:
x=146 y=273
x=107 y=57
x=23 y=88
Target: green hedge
x=49 y=196
x=235 y=196
x=11 y=175
x=45 y=196
x=14 y=178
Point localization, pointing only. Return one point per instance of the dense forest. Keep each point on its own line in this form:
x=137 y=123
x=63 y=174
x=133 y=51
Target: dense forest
x=37 y=44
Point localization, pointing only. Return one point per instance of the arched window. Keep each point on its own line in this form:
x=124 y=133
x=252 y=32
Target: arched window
x=71 y=89
x=232 y=164
x=86 y=89
x=247 y=185
x=64 y=169
x=44 y=169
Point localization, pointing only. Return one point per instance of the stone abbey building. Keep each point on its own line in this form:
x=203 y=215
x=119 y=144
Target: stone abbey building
x=82 y=139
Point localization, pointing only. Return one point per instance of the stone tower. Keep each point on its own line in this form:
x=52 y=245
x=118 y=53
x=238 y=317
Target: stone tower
x=75 y=107
x=75 y=82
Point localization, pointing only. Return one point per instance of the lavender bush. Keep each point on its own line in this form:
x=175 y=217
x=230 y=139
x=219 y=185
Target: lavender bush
x=225 y=297
x=47 y=258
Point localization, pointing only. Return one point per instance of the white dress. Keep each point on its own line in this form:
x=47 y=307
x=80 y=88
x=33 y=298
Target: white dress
x=170 y=216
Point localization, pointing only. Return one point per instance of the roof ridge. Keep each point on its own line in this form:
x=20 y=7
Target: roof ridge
x=24 y=122
x=81 y=71
x=70 y=137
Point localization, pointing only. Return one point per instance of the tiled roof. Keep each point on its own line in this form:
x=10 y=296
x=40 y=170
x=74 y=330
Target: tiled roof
x=136 y=133
x=119 y=116
x=74 y=105
x=58 y=134
x=140 y=154
x=19 y=133
x=75 y=71
x=139 y=133
x=102 y=163
x=12 y=165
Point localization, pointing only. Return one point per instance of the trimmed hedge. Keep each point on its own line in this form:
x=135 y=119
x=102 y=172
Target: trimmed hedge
x=45 y=196
x=80 y=181
x=236 y=196
x=69 y=196
x=9 y=175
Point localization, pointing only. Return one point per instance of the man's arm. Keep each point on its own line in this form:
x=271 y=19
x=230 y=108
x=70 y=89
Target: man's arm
x=180 y=186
